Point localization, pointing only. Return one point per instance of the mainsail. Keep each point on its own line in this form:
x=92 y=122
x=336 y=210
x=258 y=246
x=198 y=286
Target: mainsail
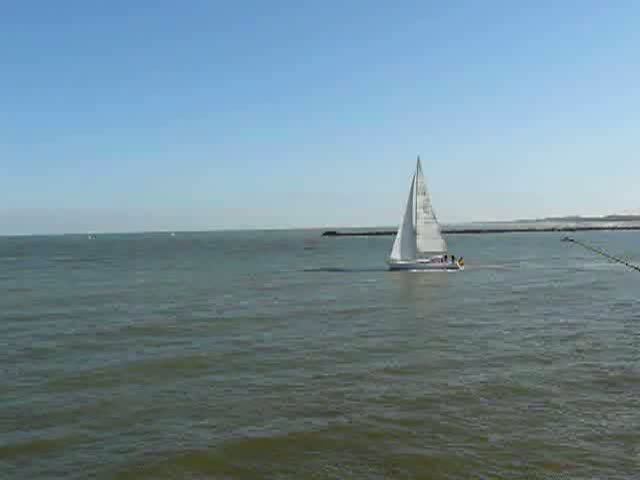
x=419 y=232
x=429 y=240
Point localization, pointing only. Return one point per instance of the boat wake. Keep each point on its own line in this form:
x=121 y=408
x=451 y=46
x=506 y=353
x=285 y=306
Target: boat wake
x=344 y=270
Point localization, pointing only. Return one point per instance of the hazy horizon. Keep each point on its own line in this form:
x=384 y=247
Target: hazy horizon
x=195 y=228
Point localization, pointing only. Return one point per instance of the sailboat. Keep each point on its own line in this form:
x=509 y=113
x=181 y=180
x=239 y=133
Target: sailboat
x=419 y=244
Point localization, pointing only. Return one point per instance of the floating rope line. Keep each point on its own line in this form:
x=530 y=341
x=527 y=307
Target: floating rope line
x=601 y=252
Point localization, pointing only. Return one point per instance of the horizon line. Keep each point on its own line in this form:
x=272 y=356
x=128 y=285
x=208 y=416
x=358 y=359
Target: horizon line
x=620 y=217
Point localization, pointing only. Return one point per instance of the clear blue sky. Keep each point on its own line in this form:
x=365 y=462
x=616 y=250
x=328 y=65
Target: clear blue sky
x=205 y=114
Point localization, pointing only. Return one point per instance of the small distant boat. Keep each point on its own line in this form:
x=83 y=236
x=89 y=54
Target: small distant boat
x=419 y=244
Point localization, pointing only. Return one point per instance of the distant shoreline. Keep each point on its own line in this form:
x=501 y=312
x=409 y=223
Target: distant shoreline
x=479 y=231
x=546 y=224
x=585 y=219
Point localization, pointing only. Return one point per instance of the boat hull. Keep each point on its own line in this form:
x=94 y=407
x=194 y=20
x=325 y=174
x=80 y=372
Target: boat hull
x=425 y=265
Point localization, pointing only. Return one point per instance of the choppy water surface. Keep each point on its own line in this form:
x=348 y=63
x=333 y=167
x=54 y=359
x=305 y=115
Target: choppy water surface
x=285 y=355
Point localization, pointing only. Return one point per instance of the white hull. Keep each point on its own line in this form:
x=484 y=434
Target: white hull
x=424 y=265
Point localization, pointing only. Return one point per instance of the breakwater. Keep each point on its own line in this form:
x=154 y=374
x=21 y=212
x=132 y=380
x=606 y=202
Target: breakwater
x=477 y=231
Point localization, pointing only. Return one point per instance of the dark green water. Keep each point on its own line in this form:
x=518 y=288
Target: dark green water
x=284 y=355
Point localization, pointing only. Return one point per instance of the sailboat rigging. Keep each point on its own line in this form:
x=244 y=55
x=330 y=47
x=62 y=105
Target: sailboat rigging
x=419 y=244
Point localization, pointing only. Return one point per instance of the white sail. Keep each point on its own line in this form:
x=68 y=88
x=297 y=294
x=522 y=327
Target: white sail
x=419 y=245
x=429 y=239
x=404 y=246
